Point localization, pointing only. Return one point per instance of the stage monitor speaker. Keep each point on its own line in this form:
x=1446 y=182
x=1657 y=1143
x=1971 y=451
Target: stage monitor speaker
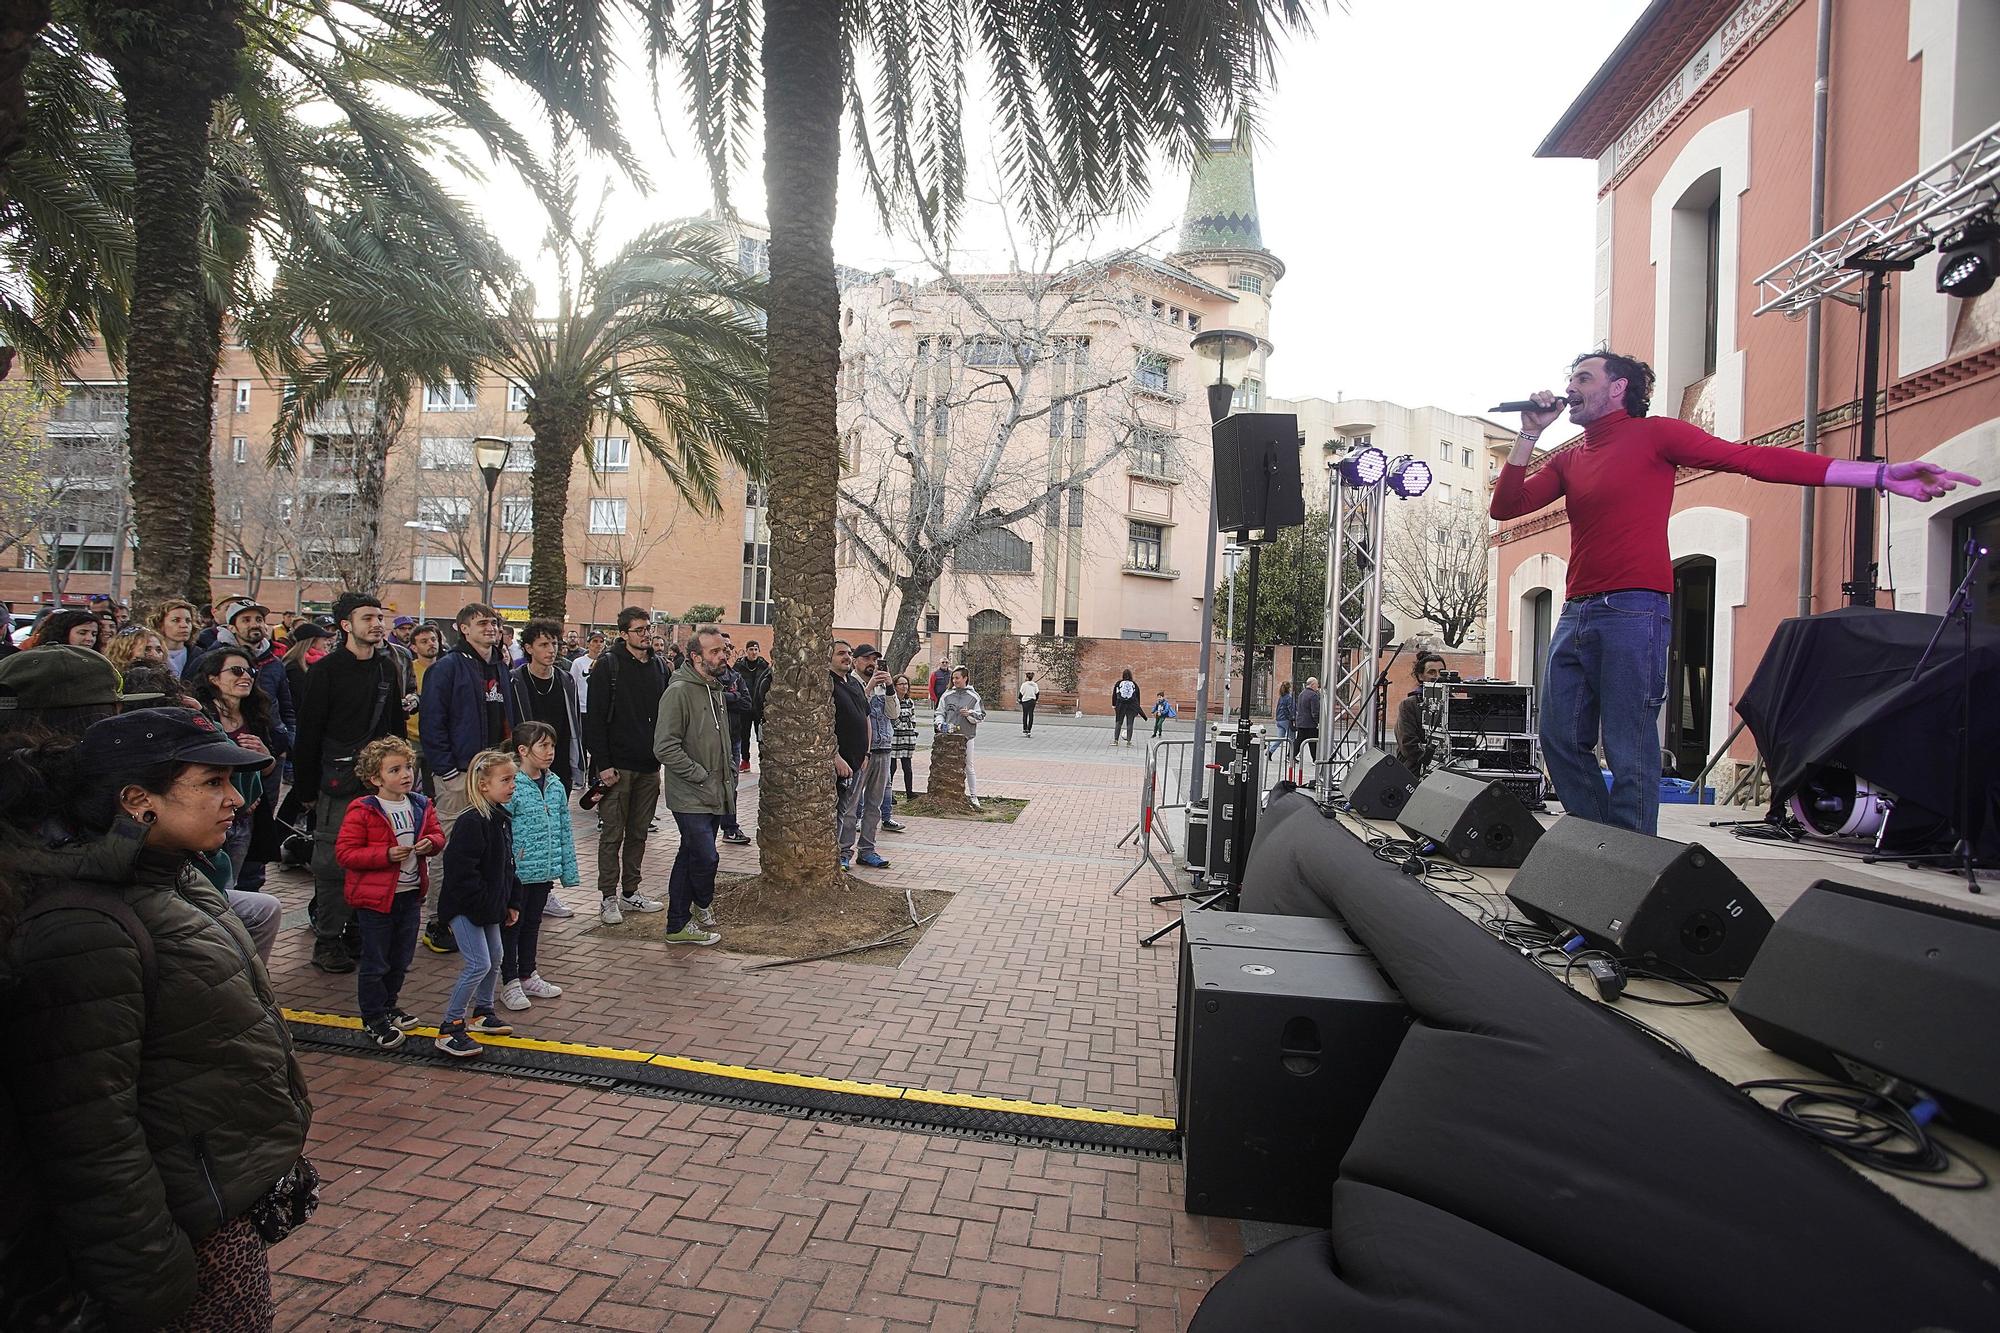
x=1473 y=821
x=1860 y=984
x=1257 y=485
x=1638 y=895
x=1285 y=1051
x=1376 y=784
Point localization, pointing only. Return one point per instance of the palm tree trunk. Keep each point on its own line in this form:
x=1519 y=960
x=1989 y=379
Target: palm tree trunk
x=21 y=21
x=802 y=73
x=562 y=431
x=172 y=351
x=385 y=427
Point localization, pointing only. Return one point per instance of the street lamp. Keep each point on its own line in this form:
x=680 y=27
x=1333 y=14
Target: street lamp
x=489 y=454
x=1224 y=355
x=424 y=567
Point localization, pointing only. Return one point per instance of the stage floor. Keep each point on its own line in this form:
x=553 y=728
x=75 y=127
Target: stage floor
x=1778 y=873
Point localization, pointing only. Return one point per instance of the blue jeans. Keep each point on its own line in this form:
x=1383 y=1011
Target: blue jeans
x=388 y=942
x=1608 y=671
x=479 y=968
x=692 y=881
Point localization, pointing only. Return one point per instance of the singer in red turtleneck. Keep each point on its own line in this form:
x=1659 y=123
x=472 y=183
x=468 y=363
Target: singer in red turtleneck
x=1607 y=668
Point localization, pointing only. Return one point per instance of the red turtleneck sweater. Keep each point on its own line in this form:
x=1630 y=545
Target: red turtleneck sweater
x=1620 y=486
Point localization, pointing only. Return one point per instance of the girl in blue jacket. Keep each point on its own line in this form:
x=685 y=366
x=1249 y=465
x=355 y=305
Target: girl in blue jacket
x=544 y=851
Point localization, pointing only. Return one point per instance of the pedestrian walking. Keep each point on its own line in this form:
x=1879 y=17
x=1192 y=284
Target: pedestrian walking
x=1125 y=706
x=1163 y=708
x=1305 y=719
x=861 y=817
x=960 y=710
x=386 y=843
x=480 y=895
x=618 y=727
x=698 y=783
x=544 y=852
x=352 y=696
x=1027 y=693
x=1286 y=711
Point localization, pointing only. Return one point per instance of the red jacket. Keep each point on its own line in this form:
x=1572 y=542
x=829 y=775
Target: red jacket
x=363 y=851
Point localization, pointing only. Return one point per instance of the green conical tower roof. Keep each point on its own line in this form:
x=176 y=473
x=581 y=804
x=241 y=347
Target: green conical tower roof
x=1222 y=200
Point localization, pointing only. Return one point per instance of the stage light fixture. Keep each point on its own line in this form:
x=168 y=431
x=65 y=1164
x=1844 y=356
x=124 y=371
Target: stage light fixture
x=1969 y=258
x=1409 y=476
x=1364 y=467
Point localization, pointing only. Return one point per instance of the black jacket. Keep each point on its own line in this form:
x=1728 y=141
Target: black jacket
x=1410 y=730
x=341 y=692
x=479 y=882
x=756 y=673
x=1307 y=717
x=568 y=763
x=850 y=720
x=624 y=710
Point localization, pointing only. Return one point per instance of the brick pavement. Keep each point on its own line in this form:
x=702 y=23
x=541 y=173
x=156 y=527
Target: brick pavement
x=462 y=1199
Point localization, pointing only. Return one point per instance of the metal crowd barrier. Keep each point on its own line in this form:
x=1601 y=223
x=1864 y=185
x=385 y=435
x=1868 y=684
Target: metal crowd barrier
x=1167 y=786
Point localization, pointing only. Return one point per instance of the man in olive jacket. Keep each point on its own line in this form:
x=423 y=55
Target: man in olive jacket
x=698 y=783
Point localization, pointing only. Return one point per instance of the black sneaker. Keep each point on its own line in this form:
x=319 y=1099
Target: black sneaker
x=332 y=956
x=452 y=1040
x=402 y=1019
x=439 y=940
x=737 y=837
x=893 y=826
x=490 y=1025
x=385 y=1034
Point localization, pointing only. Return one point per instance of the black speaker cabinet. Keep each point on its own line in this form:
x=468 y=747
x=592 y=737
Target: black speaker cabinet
x=1858 y=984
x=1636 y=895
x=1473 y=821
x=1232 y=800
x=1377 y=785
x=1257 y=484
x=1243 y=930
x=1284 y=1053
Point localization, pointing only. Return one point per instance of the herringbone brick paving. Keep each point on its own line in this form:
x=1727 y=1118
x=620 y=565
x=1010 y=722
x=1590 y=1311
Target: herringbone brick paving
x=458 y=1199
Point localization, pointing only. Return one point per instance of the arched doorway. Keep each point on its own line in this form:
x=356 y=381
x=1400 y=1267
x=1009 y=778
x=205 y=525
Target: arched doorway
x=1691 y=665
x=988 y=641
x=1539 y=615
x=1982 y=525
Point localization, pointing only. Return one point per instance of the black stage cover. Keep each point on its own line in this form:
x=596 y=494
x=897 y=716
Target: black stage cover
x=1835 y=688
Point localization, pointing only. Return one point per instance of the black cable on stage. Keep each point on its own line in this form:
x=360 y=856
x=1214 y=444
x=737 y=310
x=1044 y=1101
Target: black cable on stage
x=1867 y=1127
x=1649 y=1030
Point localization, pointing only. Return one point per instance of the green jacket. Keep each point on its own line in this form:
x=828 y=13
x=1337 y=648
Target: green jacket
x=150 y=1129
x=692 y=742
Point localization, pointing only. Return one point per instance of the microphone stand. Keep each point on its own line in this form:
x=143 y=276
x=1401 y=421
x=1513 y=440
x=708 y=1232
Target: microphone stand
x=1367 y=710
x=1960 y=857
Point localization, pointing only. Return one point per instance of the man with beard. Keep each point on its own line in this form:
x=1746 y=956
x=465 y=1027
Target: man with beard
x=465 y=710
x=352 y=695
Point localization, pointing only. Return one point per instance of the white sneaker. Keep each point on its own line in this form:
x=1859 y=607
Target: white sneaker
x=705 y=917
x=638 y=902
x=541 y=990
x=513 y=997
x=973 y=801
x=557 y=909
x=608 y=913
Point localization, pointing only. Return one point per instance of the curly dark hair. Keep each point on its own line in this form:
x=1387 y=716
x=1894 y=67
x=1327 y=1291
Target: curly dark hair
x=256 y=704
x=57 y=626
x=1638 y=377
x=1424 y=659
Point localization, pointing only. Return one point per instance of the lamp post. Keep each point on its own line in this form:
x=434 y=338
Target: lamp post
x=489 y=453
x=424 y=567
x=1224 y=355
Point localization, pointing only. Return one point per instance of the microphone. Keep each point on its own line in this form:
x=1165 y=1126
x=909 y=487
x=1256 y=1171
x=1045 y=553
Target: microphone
x=1526 y=405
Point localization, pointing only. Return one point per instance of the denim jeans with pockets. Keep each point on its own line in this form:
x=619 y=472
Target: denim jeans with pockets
x=1607 y=673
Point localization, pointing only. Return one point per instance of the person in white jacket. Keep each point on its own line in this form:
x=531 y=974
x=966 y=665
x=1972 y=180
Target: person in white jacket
x=960 y=710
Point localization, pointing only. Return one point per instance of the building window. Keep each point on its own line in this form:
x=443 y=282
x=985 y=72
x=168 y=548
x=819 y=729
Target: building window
x=232 y=565
x=1465 y=458
x=450 y=511
x=285 y=507
x=1249 y=394
x=985 y=352
x=1444 y=451
x=281 y=565
x=1246 y=281
x=520 y=456
x=451 y=396
x=243 y=395
x=995 y=551
x=235 y=511
x=607 y=516
x=753 y=495
x=1194 y=322
x=239 y=449
x=1153 y=371
x=1144 y=546
x=614 y=454
x=1149 y=451
x=755 y=606
x=443 y=455
x=1361 y=441
x=1144 y=635
x=514 y=571
x=517 y=397
x=1444 y=492
x=603 y=576
x=517 y=513
x=438 y=569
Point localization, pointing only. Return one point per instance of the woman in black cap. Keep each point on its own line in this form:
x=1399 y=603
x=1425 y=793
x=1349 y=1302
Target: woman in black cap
x=148 y=1067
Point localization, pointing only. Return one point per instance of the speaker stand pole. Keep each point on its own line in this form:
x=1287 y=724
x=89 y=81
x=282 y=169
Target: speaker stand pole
x=1960 y=606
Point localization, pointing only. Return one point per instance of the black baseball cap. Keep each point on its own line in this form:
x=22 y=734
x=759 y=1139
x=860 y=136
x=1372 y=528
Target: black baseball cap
x=148 y=736
x=308 y=629
x=867 y=650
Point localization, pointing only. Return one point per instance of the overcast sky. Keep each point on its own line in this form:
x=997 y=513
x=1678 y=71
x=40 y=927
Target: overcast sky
x=1431 y=258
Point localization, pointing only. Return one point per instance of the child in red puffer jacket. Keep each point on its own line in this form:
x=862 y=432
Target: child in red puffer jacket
x=385 y=845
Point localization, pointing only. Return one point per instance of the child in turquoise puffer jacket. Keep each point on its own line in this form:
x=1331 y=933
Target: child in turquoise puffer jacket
x=544 y=851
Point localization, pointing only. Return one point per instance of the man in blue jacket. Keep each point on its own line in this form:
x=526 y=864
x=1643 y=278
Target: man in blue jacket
x=466 y=708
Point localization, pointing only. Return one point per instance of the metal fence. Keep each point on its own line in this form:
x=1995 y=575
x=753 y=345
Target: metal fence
x=1166 y=787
